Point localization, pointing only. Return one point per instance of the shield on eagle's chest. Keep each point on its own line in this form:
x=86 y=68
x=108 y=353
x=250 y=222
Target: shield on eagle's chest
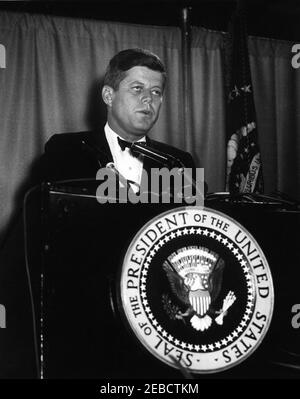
x=200 y=301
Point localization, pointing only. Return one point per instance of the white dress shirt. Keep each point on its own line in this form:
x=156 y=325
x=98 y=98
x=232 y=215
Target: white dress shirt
x=127 y=165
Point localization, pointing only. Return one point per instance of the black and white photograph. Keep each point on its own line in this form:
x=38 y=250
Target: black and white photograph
x=150 y=193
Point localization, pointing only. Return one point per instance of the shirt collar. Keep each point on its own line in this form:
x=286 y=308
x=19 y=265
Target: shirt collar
x=112 y=136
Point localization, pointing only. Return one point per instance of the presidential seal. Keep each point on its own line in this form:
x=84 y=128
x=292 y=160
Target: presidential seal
x=196 y=290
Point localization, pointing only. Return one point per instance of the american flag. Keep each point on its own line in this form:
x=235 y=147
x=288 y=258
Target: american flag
x=244 y=168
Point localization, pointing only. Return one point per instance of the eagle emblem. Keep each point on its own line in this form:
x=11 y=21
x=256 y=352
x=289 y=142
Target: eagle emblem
x=195 y=275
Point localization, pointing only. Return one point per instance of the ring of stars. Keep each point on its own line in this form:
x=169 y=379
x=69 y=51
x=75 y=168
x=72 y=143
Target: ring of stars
x=246 y=270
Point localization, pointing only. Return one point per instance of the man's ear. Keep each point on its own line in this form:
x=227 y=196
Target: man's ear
x=107 y=95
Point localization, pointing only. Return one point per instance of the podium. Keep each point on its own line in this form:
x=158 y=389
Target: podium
x=83 y=334
x=275 y=226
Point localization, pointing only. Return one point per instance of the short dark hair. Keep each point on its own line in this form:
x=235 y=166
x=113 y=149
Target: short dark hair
x=126 y=59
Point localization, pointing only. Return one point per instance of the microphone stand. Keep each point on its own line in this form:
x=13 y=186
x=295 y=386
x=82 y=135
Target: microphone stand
x=166 y=160
x=156 y=155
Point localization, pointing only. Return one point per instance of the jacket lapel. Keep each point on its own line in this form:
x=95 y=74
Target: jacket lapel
x=98 y=141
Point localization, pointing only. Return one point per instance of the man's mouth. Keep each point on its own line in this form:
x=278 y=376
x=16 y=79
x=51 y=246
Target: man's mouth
x=146 y=112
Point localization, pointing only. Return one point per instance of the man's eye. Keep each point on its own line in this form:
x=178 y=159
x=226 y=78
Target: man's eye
x=157 y=93
x=137 y=89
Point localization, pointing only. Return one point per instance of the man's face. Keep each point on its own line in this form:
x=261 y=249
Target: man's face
x=134 y=107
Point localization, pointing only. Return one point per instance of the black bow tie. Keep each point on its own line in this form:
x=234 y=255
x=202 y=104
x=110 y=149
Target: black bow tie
x=123 y=144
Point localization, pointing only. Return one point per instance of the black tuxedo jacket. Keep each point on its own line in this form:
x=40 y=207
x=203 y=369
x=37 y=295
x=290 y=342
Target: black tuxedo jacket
x=80 y=155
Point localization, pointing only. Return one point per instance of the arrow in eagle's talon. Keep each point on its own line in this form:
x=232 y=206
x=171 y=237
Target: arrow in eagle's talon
x=227 y=303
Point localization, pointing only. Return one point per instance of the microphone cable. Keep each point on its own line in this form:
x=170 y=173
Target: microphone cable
x=32 y=304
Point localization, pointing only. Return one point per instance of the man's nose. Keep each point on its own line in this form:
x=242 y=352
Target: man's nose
x=147 y=97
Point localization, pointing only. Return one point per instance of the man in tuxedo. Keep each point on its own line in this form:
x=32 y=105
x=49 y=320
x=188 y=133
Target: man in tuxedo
x=133 y=91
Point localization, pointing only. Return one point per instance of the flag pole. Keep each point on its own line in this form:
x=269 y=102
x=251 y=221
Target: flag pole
x=186 y=74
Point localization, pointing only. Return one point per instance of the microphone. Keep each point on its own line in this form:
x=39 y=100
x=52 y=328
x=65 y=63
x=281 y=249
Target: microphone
x=122 y=180
x=159 y=156
x=167 y=160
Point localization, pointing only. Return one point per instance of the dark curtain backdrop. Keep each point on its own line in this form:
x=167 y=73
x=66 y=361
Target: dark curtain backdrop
x=277 y=97
x=52 y=83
